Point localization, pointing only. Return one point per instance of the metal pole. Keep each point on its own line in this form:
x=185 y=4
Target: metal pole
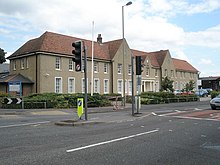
x=85 y=77
x=92 y=58
x=132 y=83
x=123 y=57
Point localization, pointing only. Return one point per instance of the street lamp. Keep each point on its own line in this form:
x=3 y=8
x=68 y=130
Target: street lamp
x=123 y=62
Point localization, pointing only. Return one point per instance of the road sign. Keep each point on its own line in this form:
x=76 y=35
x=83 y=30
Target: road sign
x=12 y=100
x=80 y=107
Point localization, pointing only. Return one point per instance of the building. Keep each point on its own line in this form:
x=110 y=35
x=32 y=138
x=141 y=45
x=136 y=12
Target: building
x=212 y=82
x=47 y=66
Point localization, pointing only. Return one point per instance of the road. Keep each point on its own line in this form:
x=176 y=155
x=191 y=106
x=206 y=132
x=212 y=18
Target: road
x=177 y=134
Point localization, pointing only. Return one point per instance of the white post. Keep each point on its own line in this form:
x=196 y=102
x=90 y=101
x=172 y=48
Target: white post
x=92 y=58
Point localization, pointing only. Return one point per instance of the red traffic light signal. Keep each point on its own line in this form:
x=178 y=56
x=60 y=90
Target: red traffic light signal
x=77 y=51
x=139 y=65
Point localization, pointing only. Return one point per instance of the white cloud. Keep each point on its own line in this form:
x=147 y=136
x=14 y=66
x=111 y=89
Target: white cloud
x=147 y=25
x=208 y=38
x=205 y=61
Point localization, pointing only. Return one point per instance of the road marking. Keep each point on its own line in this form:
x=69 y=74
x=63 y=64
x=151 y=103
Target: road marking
x=194 y=118
x=25 y=124
x=111 y=141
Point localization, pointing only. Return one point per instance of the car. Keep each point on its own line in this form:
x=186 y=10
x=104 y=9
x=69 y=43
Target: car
x=209 y=90
x=177 y=92
x=215 y=102
x=202 y=93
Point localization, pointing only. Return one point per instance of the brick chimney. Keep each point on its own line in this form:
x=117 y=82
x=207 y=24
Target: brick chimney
x=99 y=39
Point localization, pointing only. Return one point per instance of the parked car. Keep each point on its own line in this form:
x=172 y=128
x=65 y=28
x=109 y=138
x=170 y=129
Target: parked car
x=177 y=92
x=209 y=90
x=215 y=102
x=202 y=93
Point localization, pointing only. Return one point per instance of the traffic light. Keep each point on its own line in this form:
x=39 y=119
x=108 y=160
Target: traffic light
x=138 y=65
x=77 y=51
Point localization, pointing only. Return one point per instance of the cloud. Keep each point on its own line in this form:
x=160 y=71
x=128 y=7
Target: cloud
x=208 y=38
x=205 y=61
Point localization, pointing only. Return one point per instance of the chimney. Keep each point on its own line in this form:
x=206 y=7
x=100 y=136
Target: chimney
x=99 y=39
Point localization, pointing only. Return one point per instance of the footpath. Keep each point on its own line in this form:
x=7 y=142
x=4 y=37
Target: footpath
x=94 y=115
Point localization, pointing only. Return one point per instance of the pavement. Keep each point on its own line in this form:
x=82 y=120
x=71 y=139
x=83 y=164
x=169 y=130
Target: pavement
x=94 y=116
x=104 y=115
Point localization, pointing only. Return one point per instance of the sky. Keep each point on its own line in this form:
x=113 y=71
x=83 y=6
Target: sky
x=189 y=29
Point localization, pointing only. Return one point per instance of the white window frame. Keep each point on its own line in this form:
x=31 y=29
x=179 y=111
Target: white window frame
x=83 y=85
x=58 y=89
x=71 y=64
x=71 y=84
x=129 y=87
x=96 y=87
x=14 y=65
x=58 y=63
x=27 y=63
x=148 y=71
x=22 y=63
x=96 y=67
x=106 y=86
x=156 y=72
x=129 y=69
x=105 y=67
x=119 y=68
x=120 y=86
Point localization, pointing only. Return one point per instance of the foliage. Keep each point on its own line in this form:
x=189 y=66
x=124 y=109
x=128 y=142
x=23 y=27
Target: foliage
x=54 y=100
x=190 y=86
x=167 y=84
x=2 y=56
x=214 y=94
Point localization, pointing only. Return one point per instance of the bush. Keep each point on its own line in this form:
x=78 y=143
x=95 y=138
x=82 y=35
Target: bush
x=214 y=94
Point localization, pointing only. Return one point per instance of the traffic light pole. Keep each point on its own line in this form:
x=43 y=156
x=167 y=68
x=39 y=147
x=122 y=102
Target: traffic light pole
x=85 y=77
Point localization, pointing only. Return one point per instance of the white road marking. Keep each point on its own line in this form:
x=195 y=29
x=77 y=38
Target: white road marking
x=25 y=124
x=111 y=141
x=194 y=118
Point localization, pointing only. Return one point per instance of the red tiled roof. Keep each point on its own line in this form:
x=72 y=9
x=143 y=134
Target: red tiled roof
x=62 y=44
x=158 y=56
x=183 y=65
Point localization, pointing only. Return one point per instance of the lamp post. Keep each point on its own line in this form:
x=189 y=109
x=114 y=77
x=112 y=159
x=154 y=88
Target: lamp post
x=123 y=62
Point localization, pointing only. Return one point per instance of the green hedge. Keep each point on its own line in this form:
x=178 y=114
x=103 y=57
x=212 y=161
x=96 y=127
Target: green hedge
x=164 y=97
x=54 y=100
x=214 y=94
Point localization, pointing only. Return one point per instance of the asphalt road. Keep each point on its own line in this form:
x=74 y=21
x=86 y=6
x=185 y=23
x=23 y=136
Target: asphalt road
x=158 y=138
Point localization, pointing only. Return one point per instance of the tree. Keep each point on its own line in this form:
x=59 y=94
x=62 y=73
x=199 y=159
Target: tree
x=167 y=84
x=2 y=56
x=190 y=86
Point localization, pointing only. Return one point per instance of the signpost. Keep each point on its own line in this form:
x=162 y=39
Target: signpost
x=12 y=100
x=80 y=107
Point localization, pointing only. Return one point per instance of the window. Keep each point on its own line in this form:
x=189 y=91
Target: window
x=22 y=63
x=129 y=70
x=105 y=67
x=57 y=65
x=165 y=72
x=82 y=65
x=129 y=87
x=147 y=71
x=83 y=85
x=96 y=86
x=27 y=64
x=120 y=85
x=71 y=85
x=14 y=65
x=156 y=72
x=119 y=68
x=172 y=73
x=70 y=64
x=96 y=69
x=58 y=84
x=106 y=86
